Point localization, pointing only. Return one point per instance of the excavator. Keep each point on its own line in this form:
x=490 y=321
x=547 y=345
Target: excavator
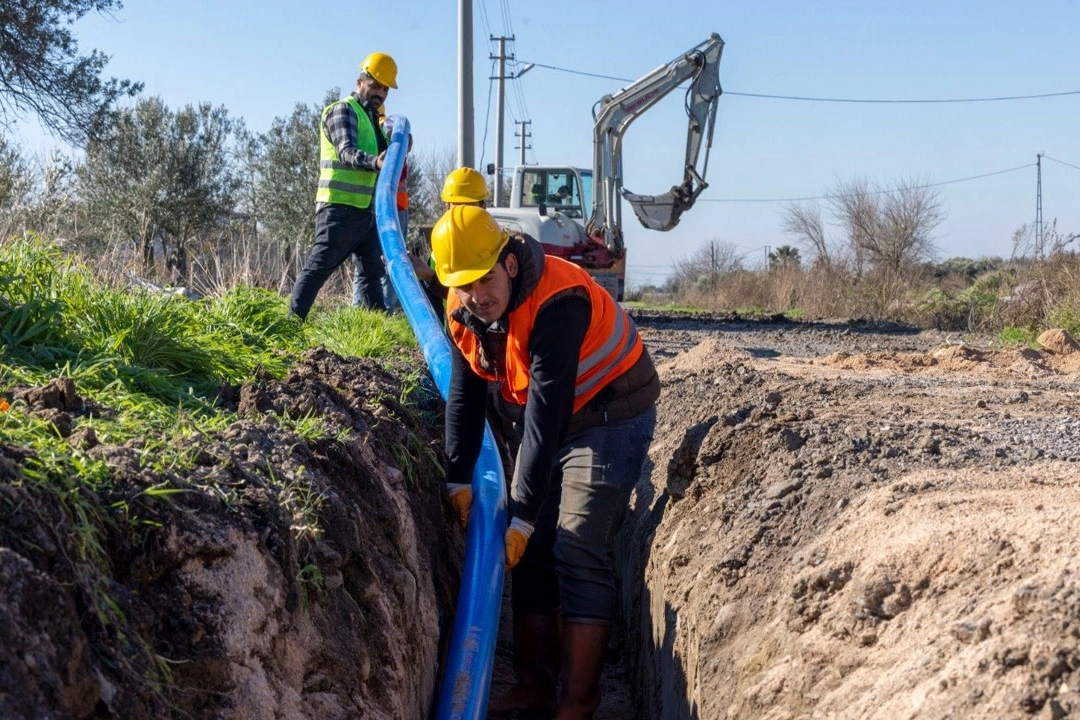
x=575 y=220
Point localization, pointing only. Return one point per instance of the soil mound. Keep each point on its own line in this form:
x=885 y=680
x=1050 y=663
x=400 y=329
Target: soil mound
x=861 y=535
x=276 y=576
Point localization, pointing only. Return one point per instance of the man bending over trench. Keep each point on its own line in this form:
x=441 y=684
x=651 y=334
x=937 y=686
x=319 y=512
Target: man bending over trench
x=571 y=364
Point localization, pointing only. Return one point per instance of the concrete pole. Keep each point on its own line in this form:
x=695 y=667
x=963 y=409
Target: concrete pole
x=466 y=153
x=500 y=112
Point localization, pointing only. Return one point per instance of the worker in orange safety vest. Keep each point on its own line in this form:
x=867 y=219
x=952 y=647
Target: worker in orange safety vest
x=569 y=364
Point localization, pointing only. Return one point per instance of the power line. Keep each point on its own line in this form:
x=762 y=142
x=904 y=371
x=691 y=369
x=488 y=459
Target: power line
x=508 y=25
x=876 y=192
x=581 y=72
x=487 y=115
x=905 y=100
x=1062 y=162
x=487 y=25
x=838 y=100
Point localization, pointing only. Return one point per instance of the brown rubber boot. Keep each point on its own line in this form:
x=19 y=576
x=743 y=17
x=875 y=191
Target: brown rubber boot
x=584 y=646
x=536 y=667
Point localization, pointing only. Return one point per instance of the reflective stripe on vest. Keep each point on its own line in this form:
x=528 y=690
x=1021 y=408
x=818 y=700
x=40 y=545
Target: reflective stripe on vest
x=610 y=348
x=339 y=183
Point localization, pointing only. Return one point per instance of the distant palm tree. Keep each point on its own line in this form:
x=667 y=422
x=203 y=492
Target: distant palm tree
x=784 y=256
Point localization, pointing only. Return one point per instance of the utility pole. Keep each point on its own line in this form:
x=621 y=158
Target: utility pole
x=1038 y=207
x=466 y=154
x=524 y=134
x=502 y=57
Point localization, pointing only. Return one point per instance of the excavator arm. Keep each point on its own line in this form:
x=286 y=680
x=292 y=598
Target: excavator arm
x=613 y=115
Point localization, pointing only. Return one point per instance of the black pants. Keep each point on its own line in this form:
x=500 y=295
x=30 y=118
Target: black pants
x=570 y=559
x=341 y=230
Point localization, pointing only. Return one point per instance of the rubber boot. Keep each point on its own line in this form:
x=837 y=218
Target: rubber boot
x=584 y=646
x=536 y=667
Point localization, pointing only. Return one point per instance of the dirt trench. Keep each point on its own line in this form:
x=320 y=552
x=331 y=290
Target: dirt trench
x=848 y=520
x=839 y=520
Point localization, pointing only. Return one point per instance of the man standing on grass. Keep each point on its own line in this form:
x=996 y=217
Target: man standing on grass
x=352 y=149
x=571 y=361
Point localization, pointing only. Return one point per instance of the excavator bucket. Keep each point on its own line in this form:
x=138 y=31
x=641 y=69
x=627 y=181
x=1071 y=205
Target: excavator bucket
x=662 y=212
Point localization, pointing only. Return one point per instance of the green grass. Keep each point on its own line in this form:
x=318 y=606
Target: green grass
x=151 y=366
x=1013 y=336
x=674 y=307
x=154 y=362
x=361 y=333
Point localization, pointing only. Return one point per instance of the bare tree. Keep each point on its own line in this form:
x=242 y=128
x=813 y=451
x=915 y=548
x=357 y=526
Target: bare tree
x=707 y=266
x=427 y=170
x=435 y=165
x=803 y=221
x=909 y=213
x=886 y=230
x=855 y=208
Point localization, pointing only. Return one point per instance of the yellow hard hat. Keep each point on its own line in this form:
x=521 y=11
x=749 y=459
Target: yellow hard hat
x=464 y=185
x=465 y=242
x=381 y=67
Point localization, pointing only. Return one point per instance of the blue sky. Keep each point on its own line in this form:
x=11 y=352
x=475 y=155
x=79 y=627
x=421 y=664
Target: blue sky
x=260 y=59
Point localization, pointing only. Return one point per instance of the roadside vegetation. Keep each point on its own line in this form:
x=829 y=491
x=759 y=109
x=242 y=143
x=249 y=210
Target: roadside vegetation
x=876 y=260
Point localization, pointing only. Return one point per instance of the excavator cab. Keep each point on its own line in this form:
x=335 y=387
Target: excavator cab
x=561 y=190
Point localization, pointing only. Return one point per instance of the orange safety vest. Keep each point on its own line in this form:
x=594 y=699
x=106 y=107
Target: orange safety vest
x=402 y=193
x=611 y=346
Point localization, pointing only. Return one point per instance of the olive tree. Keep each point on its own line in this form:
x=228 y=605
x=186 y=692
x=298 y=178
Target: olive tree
x=152 y=174
x=286 y=175
x=44 y=73
x=16 y=176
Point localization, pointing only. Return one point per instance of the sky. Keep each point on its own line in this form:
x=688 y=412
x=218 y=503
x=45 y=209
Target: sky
x=260 y=59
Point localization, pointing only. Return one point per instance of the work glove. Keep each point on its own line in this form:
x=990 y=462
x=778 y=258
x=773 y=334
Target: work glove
x=461 y=499
x=517 y=537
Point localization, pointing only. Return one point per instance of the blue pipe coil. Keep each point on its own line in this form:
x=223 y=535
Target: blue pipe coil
x=466 y=679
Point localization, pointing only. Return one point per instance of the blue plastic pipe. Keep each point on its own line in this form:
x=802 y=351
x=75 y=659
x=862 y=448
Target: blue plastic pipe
x=466 y=679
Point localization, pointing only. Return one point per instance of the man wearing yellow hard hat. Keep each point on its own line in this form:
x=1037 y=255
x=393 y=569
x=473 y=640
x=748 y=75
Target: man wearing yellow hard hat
x=570 y=360
x=352 y=149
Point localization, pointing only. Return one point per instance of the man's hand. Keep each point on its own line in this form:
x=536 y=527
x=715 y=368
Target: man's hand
x=380 y=161
x=517 y=537
x=461 y=499
x=423 y=273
